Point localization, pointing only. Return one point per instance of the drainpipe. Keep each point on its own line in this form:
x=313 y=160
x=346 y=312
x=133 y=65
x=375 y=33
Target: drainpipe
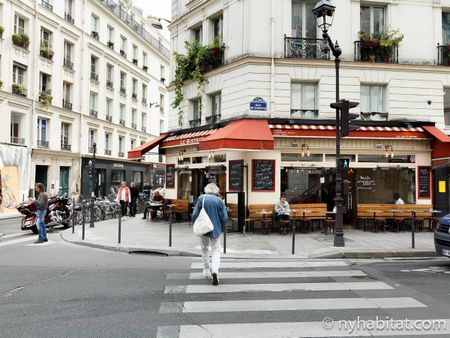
x=80 y=92
x=272 y=64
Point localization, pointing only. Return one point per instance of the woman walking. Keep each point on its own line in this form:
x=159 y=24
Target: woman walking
x=124 y=197
x=41 y=206
x=210 y=242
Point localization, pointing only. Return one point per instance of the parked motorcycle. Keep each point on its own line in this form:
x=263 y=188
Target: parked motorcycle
x=58 y=212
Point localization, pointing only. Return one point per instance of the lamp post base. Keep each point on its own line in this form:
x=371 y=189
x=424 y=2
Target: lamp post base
x=339 y=241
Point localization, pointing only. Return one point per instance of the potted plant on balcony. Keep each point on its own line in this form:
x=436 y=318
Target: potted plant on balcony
x=46 y=51
x=45 y=97
x=21 y=40
x=18 y=88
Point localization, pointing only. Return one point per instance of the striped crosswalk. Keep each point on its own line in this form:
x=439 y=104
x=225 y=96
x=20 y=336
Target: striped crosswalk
x=288 y=298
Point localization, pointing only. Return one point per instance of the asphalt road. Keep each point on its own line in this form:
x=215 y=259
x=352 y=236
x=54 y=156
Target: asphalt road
x=62 y=290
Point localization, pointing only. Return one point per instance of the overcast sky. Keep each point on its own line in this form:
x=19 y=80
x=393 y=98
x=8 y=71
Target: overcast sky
x=159 y=8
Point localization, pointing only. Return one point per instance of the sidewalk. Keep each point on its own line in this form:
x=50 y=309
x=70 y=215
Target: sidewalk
x=149 y=236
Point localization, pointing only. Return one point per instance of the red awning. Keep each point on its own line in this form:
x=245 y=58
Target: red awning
x=240 y=134
x=188 y=138
x=441 y=143
x=308 y=130
x=136 y=153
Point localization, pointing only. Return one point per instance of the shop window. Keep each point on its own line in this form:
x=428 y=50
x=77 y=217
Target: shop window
x=386 y=159
x=378 y=185
x=304 y=100
x=332 y=157
x=117 y=176
x=373 y=102
x=372 y=19
x=302 y=185
x=297 y=157
x=303 y=21
x=447 y=106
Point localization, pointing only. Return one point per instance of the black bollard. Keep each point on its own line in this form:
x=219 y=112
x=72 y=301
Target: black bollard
x=73 y=215
x=83 y=222
x=119 y=238
x=170 y=230
x=293 y=237
x=225 y=239
x=413 y=230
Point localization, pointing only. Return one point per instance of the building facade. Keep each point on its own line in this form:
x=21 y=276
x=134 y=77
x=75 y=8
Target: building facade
x=75 y=73
x=276 y=69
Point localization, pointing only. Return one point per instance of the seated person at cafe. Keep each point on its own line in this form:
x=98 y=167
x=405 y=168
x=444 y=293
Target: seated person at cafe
x=282 y=210
x=397 y=199
x=157 y=198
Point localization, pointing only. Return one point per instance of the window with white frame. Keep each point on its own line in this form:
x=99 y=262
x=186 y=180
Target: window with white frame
x=67 y=92
x=215 y=104
x=135 y=52
x=109 y=105
x=144 y=91
x=123 y=80
x=445 y=28
x=373 y=101
x=144 y=59
x=65 y=129
x=15 y=127
x=197 y=34
x=144 y=119
x=107 y=141
x=94 y=23
x=45 y=82
x=123 y=44
x=109 y=74
x=133 y=116
x=42 y=129
x=372 y=19
x=68 y=7
x=110 y=34
x=163 y=73
x=18 y=74
x=196 y=112
x=161 y=103
x=217 y=28
x=68 y=48
x=91 y=138
x=120 y=144
x=94 y=62
x=46 y=38
x=447 y=106
x=304 y=100
x=93 y=102
x=19 y=24
x=303 y=24
x=134 y=86
x=122 y=112
x=132 y=143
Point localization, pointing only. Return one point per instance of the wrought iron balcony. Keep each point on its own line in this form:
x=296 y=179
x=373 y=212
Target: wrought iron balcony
x=19 y=89
x=108 y=118
x=135 y=61
x=66 y=146
x=67 y=104
x=145 y=68
x=213 y=119
x=115 y=8
x=122 y=52
x=108 y=152
x=17 y=140
x=109 y=84
x=42 y=144
x=123 y=91
x=443 y=55
x=110 y=44
x=68 y=18
x=134 y=96
x=122 y=122
x=94 y=76
x=68 y=64
x=134 y=125
x=47 y=5
x=306 y=48
x=93 y=112
x=370 y=50
x=195 y=123
x=95 y=35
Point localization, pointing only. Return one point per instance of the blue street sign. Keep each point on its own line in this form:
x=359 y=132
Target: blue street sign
x=258 y=103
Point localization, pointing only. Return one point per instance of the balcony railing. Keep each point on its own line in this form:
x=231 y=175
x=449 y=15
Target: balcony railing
x=107 y=152
x=144 y=129
x=19 y=89
x=95 y=35
x=110 y=44
x=47 y=5
x=304 y=113
x=17 y=140
x=65 y=146
x=66 y=104
x=443 y=55
x=122 y=122
x=123 y=91
x=93 y=112
x=134 y=96
x=370 y=50
x=68 y=18
x=135 y=61
x=306 y=48
x=109 y=84
x=121 y=13
x=145 y=68
x=195 y=123
x=42 y=144
x=134 y=125
x=213 y=119
x=68 y=64
x=122 y=52
x=94 y=76
x=121 y=154
x=108 y=118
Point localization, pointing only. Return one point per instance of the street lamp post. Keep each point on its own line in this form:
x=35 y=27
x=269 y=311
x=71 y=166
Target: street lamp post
x=91 y=224
x=324 y=12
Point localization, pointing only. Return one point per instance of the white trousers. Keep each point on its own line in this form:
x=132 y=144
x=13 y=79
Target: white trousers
x=210 y=248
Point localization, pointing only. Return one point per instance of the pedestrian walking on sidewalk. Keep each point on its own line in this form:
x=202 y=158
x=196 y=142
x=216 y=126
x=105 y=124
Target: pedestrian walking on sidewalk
x=134 y=196
x=41 y=207
x=210 y=242
x=123 y=197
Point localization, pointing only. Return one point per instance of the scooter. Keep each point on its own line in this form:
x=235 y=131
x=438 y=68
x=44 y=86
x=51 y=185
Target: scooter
x=58 y=212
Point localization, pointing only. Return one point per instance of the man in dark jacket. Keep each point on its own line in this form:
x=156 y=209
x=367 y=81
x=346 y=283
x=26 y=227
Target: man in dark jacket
x=134 y=192
x=41 y=206
x=217 y=213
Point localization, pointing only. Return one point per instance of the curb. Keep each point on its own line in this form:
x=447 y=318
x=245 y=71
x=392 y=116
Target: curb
x=377 y=254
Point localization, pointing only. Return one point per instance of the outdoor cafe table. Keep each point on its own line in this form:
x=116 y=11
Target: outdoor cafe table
x=264 y=212
x=432 y=221
x=306 y=211
x=375 y=212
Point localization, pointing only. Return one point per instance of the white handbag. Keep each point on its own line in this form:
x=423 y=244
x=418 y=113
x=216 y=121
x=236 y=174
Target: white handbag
x=202 y=224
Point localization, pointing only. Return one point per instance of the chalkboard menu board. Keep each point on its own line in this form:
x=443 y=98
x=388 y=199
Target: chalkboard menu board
x=263 y=175
x=235 y=175
x=365 y=183
x=424 y=182
x=170 y=176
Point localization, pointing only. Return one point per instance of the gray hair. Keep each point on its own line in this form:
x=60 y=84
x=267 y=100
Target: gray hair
x=212 y=189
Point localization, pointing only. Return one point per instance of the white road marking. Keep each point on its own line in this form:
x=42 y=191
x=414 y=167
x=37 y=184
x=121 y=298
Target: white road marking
x=290 y=305
x=282 y=274
x=274 y=264
x=20 y=240
x=281 y=287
